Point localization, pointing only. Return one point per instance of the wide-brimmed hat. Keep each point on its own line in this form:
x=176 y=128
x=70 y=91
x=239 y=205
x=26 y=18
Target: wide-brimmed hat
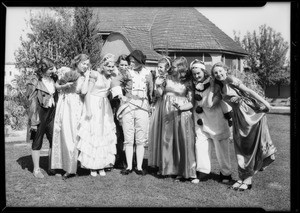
x=137 y=55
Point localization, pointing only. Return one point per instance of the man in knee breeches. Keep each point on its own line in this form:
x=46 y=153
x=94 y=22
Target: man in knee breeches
x=134 y=110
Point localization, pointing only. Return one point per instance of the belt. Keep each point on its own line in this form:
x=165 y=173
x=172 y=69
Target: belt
x=135 y=97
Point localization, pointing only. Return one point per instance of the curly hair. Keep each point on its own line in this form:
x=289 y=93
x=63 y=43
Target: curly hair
x=77 y=59
x=43 y=65
x=219 y=64
x=122 y=57
x=182 y=65
x=106 y=59
x=167 y=61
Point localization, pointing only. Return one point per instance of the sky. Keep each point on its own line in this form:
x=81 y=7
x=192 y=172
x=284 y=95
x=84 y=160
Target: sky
x=228 y=19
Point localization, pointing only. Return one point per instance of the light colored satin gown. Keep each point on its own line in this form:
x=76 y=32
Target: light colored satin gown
x=67 y=116
x=172 y=134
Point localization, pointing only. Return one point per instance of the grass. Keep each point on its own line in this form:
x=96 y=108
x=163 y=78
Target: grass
x=271 y=188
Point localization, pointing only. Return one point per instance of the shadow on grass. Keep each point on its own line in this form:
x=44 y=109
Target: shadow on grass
x=26 y=163
x=213 y=176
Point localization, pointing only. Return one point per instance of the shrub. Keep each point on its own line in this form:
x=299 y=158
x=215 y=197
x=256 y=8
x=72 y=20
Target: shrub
x=249 y=79
x=15 y=115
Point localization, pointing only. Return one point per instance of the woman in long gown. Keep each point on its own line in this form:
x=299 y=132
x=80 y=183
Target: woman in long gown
x=252 y=142
x=97 y=131
x=73 y=85
x=177 y=136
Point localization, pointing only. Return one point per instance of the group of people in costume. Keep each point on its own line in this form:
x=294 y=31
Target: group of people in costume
x=104 y=118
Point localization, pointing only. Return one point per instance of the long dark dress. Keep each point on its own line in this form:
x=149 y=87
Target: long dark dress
x=252 y=141
x=174 y=133
x=154 y=138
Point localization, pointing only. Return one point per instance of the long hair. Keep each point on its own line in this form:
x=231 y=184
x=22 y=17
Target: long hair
x=182 y=65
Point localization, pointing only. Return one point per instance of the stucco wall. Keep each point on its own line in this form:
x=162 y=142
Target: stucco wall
x=115 y=45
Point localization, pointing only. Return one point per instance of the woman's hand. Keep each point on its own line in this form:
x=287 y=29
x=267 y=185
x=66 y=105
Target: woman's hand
x=87 y=73
x=69 y=84
x=160 y=80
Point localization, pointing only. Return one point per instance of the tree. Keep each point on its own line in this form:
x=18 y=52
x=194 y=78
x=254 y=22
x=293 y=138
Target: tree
x=85 y=33
x=267 y=56
x=59 y=34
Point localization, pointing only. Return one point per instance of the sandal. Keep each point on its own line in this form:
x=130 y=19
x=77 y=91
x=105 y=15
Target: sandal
x=244 y=186
x=236 y=185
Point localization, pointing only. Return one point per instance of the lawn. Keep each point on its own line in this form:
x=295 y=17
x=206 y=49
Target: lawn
x=271 y=188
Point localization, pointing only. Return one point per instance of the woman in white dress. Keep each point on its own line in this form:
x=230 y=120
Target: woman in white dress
x=97 y=131
x=73 y=85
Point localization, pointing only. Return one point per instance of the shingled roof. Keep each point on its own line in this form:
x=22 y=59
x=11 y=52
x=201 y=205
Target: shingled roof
x=139 y=38
x=157 y=28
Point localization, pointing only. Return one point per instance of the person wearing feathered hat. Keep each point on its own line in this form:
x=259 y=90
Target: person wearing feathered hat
x=134 y=110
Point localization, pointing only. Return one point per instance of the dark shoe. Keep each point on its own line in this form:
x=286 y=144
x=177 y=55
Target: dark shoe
x=108 y=169
x=178 y=178
x=203 y=176
x=126 y=171
x=236 y=185
x=140 y=172
x=224 y=178
x=51 y=172
x=66 y=176
x=244 y=186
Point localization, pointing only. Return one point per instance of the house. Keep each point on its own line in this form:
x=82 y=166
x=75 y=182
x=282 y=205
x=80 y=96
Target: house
x=172 y=31
x=10 y=72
